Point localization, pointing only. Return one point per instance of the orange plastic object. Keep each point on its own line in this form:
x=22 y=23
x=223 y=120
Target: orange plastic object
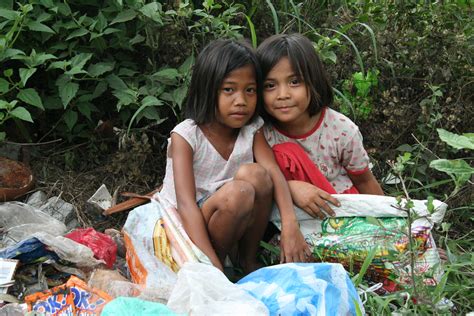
x=16 y=179
x=72 y=298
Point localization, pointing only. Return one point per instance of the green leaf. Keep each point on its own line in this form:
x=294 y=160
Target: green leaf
x=30 y=96
x=77 y=33
x=22 y=114
x=151 y=113
x=468 y=135
x=67 y=91
x=124 y=16
x=39 y=27
x=125 y=97
x=455 y=140
x=166 y=76
x=85 y=109
x=80 y=60
x=8 y=72
x=4 y=85
x=98 y=69
x=99 y=89
x=179 y=94
x=457 y=166
x=2 y=136
x=40 y=58
x=137 y=39
x=153 y=11
x=110 y=30
x=116 y=83
x=25 y=74
x=151 y=100
x=11 y=52
x=74 y=71
x=186 y=67
x=70 y=118
x=47 y=3
x=59 y=65
x=9 y=14
x=4 y=104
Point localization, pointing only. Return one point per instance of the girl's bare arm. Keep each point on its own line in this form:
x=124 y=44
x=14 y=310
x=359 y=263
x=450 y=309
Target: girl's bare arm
x=193 y=220
x=294 y=247
x=366 y=183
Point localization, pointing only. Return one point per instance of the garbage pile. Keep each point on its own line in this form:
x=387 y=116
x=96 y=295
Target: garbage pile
x=49 y=265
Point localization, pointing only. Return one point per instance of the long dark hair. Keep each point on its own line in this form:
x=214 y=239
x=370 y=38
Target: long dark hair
x=305 y=63
x=213 y=64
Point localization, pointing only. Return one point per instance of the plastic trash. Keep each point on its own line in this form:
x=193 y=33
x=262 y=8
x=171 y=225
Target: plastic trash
x=72 y=298
x=42 y=246
x=19 y=221
x=102 y=245
x=304 y=289
x=127 y=306
x=350 y=236
x=117 y=285
x=14 y=309
x=202 y=289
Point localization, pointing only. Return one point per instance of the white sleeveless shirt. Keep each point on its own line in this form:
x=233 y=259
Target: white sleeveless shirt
x=211 y=170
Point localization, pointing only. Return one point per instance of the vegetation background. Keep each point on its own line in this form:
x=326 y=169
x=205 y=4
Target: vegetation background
x=89 y=91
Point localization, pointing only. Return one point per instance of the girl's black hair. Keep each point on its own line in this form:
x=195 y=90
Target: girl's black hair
x=214 y=63
x=305 y=63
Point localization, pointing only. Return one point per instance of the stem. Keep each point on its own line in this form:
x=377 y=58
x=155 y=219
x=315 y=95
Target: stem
x=410 y=239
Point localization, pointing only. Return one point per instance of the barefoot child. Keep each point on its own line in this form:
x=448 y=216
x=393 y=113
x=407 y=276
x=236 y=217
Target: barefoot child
x=319 y=150
x=223 y=197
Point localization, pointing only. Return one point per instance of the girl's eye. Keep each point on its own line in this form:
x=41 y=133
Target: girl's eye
x=269 y=85
x=227 y=89
x=251 y=90
x=295 y=81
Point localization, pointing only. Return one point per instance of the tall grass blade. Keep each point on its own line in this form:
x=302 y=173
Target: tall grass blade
x=372 y=37
x=253 y=34
x=346 y=100
x=296 y=11
x=365 y=266
x=276 y=22
x=356 y=50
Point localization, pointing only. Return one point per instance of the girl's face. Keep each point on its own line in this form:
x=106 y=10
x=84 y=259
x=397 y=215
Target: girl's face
x=237 y=97
x=285 y=95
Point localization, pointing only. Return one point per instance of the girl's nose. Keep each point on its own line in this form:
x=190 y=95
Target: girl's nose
x=240 y=99
x=283 y=92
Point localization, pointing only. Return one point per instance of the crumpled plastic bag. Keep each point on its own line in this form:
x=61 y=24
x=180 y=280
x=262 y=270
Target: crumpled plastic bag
x=304 y=289
x=20 y=221
x=102 y=245
x=202 y=289
x=42 y=246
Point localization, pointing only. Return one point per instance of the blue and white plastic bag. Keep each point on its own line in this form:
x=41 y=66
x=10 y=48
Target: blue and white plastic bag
x=304 y=289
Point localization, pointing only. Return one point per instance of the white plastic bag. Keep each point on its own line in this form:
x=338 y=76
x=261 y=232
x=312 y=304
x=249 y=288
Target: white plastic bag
x=202 y=289
x=20 y=221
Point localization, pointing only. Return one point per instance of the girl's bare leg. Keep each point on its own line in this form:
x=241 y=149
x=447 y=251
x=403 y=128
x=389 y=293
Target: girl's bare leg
x=228 y=213
x=259 y=178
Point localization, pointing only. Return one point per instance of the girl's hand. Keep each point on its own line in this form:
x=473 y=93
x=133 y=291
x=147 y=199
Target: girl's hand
x=312 y=199
x=293 y=246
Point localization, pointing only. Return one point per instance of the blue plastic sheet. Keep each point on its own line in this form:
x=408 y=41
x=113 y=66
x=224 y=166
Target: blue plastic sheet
x=304 y=289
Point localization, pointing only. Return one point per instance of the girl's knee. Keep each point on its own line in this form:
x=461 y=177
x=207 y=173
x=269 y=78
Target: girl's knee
x=257 y=175
x=240 y=197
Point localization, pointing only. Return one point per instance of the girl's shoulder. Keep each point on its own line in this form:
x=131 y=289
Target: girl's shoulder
x=337 y=118
x=187 y=124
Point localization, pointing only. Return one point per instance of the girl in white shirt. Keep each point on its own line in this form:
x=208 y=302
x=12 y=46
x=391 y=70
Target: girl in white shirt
x=222 y=196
